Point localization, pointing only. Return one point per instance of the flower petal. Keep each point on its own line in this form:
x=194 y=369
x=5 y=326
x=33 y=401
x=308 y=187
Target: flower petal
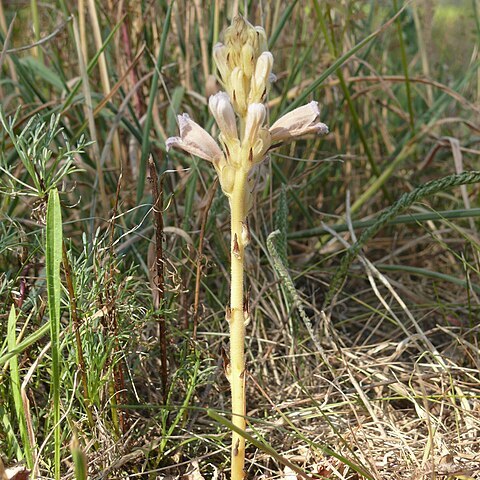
x=195 y=140
x=298 y=122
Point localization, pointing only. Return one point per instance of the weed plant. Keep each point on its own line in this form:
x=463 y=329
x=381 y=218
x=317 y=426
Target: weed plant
x=362 y=354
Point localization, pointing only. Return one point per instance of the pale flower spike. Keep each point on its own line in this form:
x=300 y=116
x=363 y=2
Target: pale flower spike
x=244 y=68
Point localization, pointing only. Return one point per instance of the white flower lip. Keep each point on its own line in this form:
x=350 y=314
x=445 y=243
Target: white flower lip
x=195 y=140
x=301 y=121
x=222 y=110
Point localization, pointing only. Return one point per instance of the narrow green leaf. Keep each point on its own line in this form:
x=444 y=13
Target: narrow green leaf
x=15 y=383
x=79 y=460
x=53 y=260
x=45 y=73
x=338 y=63
x=25 y=343
x=423 y=272
x=176 y=101
x=278 y=29
x=401 y=219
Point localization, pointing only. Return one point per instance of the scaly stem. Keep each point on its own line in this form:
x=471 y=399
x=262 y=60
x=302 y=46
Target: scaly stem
x=237 y=322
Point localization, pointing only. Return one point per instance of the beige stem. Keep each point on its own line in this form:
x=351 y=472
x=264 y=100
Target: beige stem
x=237 y=323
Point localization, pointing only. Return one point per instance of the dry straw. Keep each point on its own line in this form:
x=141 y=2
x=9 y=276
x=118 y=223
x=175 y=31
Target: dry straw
x=245 y=72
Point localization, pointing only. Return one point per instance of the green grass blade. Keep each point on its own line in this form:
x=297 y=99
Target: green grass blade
x=423 y=272
x=278 y=29
x=405 y=201
x=9 y=437
x=16 y=387
x=403 y=56
x=401 y=219
x=338 y=63
x=25 y=343
x=53 y=260
x=79 y=460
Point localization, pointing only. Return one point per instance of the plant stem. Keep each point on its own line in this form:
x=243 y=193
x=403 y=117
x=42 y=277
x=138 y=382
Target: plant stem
x=237 y=322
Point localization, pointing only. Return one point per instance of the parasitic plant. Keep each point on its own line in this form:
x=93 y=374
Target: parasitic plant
x=245 y=72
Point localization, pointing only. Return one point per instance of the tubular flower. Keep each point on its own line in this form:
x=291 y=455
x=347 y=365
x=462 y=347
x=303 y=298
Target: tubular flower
x=255 y=118
x=220 y=57
x=298 y=122
x=195 y=140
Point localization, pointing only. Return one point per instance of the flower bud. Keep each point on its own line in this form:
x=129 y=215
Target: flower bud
x=261 y=79
x=227 y=179
x=220 y=57
x=248 y=60
x=262 y=44
x=237 y=91
x=222 y=110
x=261 y=145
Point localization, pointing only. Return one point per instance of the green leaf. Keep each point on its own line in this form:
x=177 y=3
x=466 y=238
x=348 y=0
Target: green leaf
x=45 y=73
x=16 y=382
x=53 y=260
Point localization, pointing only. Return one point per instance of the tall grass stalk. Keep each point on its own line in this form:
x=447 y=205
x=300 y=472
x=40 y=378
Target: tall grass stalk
x=36 y=28
x=145 y=151
x=89 y=114
x=102 y=64
x=403 y=54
